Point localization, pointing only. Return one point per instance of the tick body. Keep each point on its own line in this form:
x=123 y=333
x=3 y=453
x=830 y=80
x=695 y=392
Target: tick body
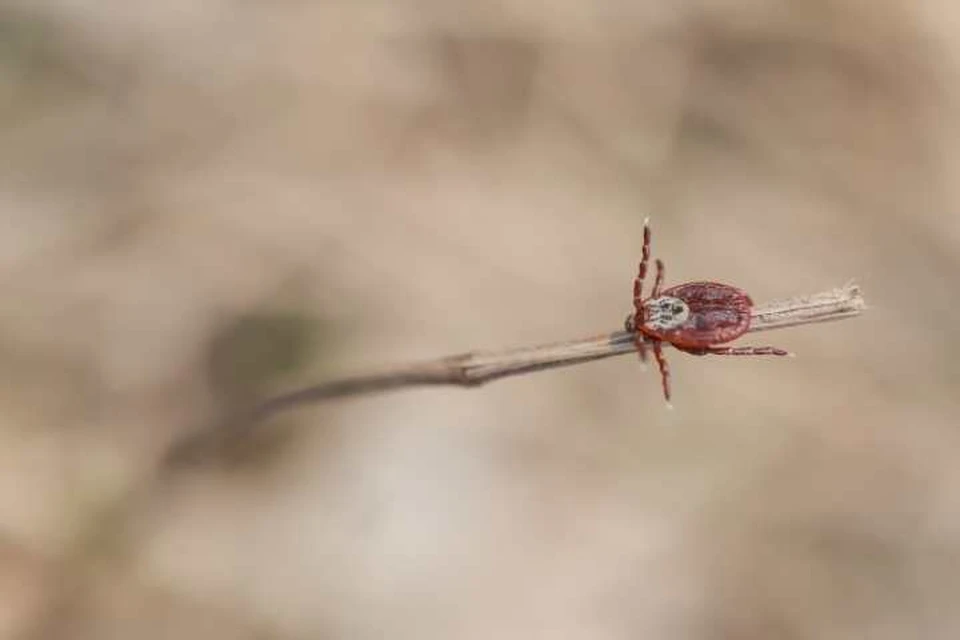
x=695 y=317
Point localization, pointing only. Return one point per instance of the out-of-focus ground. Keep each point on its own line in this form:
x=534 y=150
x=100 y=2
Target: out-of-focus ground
x=205 y=201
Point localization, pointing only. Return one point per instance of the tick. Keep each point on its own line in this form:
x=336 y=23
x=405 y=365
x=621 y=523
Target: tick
x=694 y=317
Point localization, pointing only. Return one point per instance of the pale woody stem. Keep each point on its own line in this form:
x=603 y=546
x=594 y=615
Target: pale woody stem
x=476 y=368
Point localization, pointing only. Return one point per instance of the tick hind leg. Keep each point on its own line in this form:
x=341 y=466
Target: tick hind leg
x=664 y=368
x=738 y=351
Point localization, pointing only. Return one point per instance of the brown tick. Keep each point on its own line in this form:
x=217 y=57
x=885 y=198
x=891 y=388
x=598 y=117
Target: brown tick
x=693 y=317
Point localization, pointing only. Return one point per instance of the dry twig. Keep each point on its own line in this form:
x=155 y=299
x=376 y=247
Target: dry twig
x=476 y=368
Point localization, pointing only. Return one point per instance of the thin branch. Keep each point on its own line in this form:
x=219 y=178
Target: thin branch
x=476 y=368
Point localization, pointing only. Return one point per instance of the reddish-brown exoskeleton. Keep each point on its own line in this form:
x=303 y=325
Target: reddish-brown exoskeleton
x=693 y=317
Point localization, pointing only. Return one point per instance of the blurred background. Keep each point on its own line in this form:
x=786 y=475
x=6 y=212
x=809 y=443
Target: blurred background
x=204 y=202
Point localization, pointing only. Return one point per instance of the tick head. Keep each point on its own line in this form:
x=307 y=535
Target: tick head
x=665 y=313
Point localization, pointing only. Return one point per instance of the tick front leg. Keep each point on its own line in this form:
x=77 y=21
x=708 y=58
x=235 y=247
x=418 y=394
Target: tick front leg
x=664 y=368
x=641 y=348
x=642 y=269
x=639 y=340
x=738 y=351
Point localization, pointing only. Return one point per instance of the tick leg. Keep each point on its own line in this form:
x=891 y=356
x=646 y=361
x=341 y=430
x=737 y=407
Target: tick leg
x=659 y=281
x=738 y=351
x=642 y=269
x=640 y=341
x=664 y=368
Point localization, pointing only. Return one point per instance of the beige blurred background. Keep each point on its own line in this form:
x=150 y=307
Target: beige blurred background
x=207 y=201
